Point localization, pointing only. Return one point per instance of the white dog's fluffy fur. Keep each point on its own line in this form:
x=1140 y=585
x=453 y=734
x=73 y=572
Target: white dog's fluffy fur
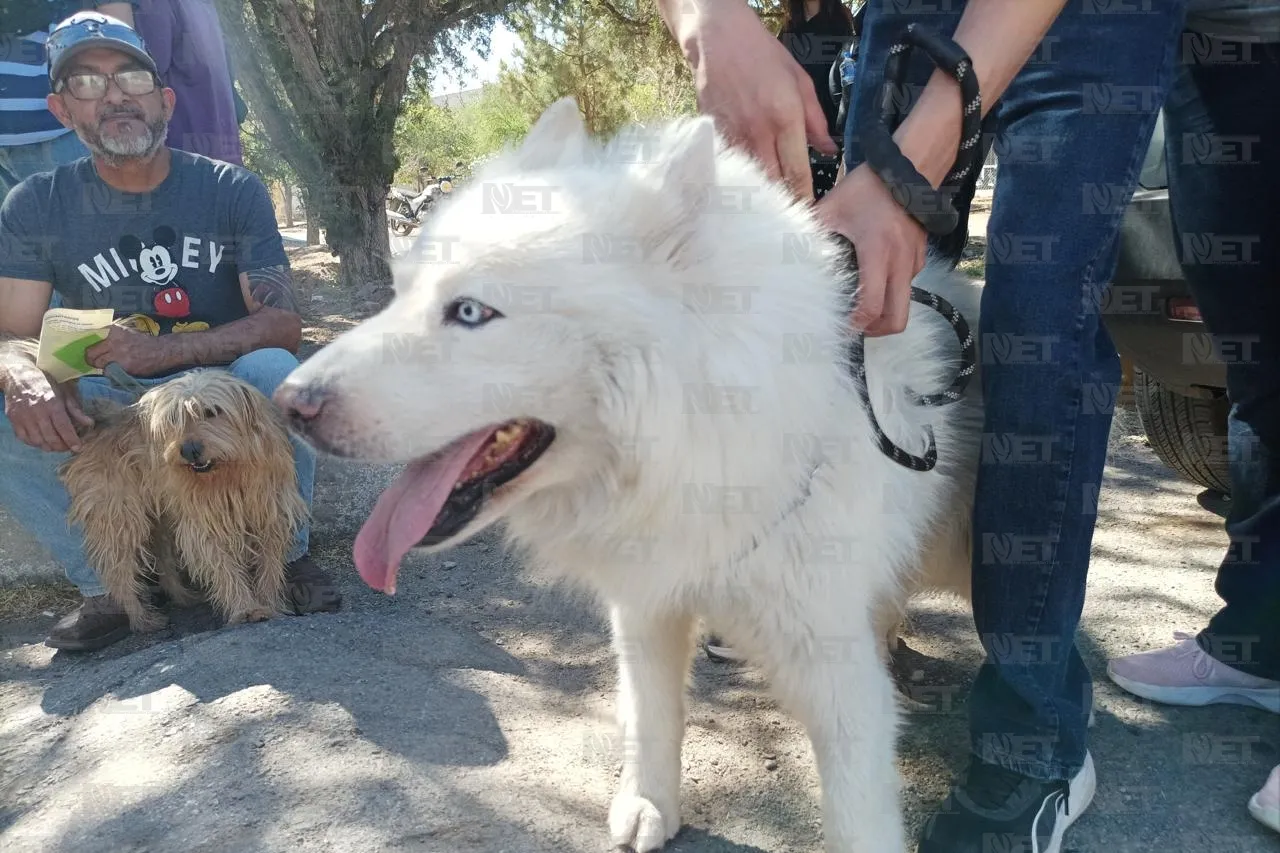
x=695 y=377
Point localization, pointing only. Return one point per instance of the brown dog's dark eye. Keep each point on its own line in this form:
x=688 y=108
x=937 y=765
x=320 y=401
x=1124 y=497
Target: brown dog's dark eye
x=211 y=412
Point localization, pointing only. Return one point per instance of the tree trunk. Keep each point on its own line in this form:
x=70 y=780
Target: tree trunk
x=288 y=204
x=363 y=241
x=313 y=230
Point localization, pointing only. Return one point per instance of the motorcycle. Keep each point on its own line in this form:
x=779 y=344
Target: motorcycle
x=406 y=211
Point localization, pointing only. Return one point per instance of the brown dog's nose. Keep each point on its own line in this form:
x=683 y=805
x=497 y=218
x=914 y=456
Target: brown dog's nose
x=299 y=402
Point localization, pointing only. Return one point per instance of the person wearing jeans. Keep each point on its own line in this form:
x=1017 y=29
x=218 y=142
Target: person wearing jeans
x=1222 y=139
x=1078 y=115
x=1073 y=90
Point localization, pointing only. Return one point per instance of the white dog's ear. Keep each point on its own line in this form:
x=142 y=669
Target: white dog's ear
x=687 y=177
x=558 y=136
x=689 y=171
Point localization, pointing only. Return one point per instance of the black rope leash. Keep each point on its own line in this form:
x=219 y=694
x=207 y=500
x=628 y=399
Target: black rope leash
x=933 y=209
x=954 y=393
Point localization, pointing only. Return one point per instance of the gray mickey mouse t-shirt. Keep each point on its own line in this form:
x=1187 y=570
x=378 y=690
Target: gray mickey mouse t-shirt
x=172 y=255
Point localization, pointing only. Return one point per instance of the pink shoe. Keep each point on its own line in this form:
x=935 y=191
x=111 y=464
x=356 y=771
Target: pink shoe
x=1265 y=805
x=1185 y=675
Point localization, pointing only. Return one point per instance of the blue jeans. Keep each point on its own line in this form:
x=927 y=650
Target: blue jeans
x=1223 y=152
x=32 y=494
x=19 y=162
x=1078 y=117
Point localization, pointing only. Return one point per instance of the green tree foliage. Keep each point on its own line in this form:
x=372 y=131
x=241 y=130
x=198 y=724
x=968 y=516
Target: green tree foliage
x=615 y=57
x=328 y=79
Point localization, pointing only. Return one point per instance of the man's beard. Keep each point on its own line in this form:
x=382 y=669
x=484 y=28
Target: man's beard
x=116 y=152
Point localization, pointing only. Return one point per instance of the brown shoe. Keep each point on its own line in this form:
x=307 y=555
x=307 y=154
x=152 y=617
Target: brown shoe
x=95 y=624
x=309 y=588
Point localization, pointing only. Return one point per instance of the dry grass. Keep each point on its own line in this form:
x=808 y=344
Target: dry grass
x=29 y=601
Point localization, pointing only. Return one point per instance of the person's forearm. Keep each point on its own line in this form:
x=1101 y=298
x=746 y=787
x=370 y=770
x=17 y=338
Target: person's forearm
x=266 y=327
x=687 y=21
x=16 y=354
x=999 y=36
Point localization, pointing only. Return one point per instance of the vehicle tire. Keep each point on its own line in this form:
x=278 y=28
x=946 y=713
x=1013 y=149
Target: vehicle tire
x=401 y=229
x=1189 y=434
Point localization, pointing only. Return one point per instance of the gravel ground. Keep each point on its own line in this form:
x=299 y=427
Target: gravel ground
x=473 y=712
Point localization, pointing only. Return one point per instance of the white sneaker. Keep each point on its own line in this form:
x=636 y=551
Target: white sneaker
x=1265 y=805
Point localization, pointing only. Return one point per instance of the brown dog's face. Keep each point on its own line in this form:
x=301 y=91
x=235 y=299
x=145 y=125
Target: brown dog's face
x=205 y=421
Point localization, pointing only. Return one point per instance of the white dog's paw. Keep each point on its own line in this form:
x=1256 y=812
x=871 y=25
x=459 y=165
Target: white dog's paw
x=635 y=823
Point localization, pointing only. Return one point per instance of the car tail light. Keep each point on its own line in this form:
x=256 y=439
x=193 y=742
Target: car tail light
x=1183 y=308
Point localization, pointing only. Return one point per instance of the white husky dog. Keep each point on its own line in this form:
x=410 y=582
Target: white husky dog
x=635 y=353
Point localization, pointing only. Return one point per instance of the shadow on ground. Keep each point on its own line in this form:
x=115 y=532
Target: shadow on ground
x=473 y=712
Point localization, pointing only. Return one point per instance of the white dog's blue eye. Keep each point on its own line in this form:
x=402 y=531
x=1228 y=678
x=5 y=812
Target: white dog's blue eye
x=469 y=312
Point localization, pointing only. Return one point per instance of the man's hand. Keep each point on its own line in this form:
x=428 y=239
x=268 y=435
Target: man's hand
x=890 y=245
x=43 y=414
x=759 y=96
x=138 y=353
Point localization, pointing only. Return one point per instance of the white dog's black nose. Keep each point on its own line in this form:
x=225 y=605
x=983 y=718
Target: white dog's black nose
x=300 y=403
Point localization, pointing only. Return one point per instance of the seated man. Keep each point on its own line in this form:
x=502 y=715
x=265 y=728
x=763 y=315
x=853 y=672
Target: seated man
x=184 y=247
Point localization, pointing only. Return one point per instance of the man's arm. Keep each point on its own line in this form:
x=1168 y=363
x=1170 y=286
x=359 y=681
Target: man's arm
x=273 y=321
x=22 y=307
x=265 y=285
x=43 y=415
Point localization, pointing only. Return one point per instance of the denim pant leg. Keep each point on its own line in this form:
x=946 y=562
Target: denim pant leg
x=1223 y=151
x=265 y=369
x=1045 y=352
x=32 y=493
x=1086 y=104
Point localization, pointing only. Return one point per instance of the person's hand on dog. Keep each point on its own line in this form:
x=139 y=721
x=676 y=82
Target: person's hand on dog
x=759 y=96
x=138 y=353
x=890 y=245
x=44 y=414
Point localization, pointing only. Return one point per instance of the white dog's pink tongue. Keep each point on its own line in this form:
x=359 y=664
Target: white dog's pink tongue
x=405 y=512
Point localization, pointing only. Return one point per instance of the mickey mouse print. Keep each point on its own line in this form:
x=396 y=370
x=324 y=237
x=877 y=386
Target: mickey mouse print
x=168 y=260
x=147 y=275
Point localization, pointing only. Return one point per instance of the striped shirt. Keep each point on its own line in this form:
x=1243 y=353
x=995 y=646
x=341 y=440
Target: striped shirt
x=24 y=82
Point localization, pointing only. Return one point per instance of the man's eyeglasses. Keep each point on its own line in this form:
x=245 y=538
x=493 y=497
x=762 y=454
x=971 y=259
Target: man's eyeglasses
x=91 y=85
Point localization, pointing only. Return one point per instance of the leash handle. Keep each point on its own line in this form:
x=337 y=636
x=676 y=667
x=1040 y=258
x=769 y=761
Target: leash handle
x=933 y=209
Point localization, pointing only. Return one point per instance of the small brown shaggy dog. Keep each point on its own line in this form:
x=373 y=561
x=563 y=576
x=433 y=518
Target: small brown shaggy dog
x=196 y=477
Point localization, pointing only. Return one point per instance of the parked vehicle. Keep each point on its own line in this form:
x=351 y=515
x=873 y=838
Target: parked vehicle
x=1179 y=383
x=406 y=211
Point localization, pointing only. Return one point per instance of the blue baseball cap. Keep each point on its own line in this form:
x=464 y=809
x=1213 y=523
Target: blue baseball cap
x=87 y=30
